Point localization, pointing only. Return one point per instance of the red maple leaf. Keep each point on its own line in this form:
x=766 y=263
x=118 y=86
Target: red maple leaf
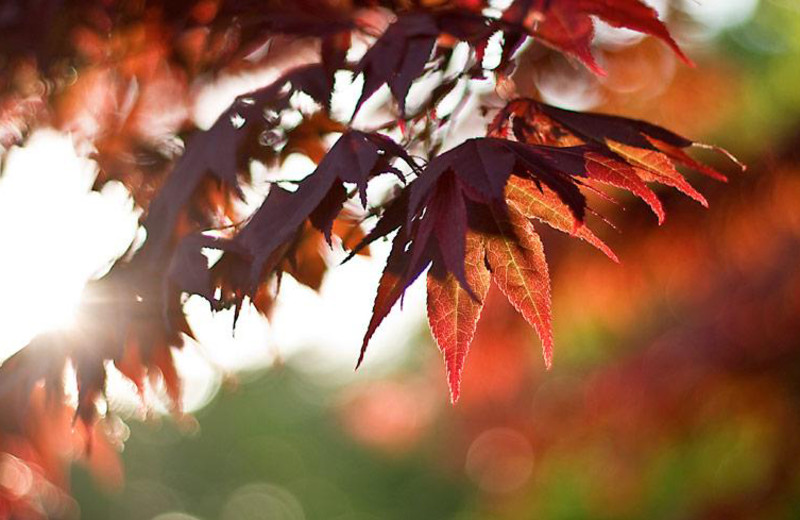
x=567 y=25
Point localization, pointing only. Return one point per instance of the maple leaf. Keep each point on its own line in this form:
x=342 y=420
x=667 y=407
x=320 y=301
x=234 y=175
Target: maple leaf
x=400 y=54
x=463 y=191
x=124 y=325
x=271 y=235
x=489 y=188
x=543 y=204
x=622 y=152
x=508 y=251
x=216 y=151
x=398 y=57
x=515 y=256
x=453 y=313
x=567 y=25
x=432 y=211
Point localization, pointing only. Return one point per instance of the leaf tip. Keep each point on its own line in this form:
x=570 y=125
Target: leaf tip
x=593 y=66
x=547 y=351
x=455 y=393
x=742 y=166
x=361 y=354
x=454 y=368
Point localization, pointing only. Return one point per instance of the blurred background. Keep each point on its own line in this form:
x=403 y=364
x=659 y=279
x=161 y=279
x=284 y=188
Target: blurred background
x=675 y=389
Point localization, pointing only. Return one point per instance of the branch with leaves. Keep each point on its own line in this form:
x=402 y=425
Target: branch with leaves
x=468 y=214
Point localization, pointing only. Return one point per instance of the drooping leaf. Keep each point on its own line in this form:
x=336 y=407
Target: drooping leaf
x=216 y=150
x=484 y=165
x=652 y=166
x=567 y=25
x=463 y=191
x=398 y=57
x=276 y=230
x=516 y=259
x=453 y=313
x=543 y=204
x=625 y=153
x=400 y=54
x=398 y=274
x=613 y=172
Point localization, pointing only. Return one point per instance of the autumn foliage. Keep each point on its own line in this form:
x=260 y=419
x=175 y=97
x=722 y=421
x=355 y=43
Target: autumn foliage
x=466 y=212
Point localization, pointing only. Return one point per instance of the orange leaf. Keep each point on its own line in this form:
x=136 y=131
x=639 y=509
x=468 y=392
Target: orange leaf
x=545 y=205
x=654 y=166
x=516 y=260
x=621 y=175
x=453 y=314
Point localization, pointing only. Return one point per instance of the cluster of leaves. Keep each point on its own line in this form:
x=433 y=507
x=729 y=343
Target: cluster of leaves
x=729 y=338
x=465 y=214
x=469 y=215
